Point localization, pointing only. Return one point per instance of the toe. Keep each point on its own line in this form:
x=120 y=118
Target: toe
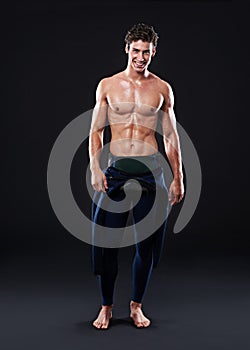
x=104 y=324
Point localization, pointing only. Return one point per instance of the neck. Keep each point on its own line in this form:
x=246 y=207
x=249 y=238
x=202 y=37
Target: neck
x=133 y=75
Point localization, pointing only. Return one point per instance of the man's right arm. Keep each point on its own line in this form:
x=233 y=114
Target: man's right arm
x=98 y=179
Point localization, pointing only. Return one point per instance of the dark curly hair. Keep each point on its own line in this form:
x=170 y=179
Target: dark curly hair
x=141 y=31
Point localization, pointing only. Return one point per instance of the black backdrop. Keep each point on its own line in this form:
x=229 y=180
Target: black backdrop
x=56 y=52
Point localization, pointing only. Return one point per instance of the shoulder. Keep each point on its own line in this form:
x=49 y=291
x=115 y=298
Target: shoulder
x=166 y=91
x=106 y=83
x=163 y=85
x=103 y=83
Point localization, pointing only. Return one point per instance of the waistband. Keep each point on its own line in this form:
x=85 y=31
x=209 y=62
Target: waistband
x=135 y=164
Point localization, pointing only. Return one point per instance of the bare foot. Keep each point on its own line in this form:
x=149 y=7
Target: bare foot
x=105 y=314
x=137 y=315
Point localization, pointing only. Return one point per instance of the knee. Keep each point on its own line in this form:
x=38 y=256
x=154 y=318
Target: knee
x=144 y=255
x=144 y=249
x=110 y=261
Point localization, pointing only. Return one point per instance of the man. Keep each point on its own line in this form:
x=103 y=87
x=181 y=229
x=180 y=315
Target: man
x=133 y=100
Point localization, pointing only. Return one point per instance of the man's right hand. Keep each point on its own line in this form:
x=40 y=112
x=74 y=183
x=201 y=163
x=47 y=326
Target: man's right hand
x=99 y=181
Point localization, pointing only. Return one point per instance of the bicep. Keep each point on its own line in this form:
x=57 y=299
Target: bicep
x=168 y=119
x=99 y=115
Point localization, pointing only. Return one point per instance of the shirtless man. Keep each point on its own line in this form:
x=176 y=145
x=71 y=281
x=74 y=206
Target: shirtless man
x=133 y=100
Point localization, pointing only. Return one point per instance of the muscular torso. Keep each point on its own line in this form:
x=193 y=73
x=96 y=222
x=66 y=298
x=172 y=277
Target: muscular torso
x=133 y=114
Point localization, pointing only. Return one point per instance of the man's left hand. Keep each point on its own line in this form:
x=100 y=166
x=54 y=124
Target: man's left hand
x=176 y=191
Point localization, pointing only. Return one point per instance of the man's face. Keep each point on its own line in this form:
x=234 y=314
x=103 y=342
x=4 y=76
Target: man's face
x=140 y=54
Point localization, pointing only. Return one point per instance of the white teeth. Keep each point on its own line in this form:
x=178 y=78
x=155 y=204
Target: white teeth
x=139 y=64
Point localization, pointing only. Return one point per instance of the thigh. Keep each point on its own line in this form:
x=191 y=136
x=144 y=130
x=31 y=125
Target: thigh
x=143 y=207
x=106 y=220
x=144 y=248
x=104 y=210
x=113 y=219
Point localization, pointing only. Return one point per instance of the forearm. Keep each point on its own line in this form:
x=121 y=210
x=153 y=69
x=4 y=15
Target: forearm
x=95 y=149
x=173 y=152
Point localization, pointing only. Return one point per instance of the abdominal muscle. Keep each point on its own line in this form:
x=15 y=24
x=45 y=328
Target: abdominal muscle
x=132 y=140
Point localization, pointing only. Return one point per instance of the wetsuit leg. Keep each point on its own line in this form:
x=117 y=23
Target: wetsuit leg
x=143 y=258
x=110 y=255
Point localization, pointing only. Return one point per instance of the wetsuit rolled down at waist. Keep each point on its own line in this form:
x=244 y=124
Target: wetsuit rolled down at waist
x=148 y=172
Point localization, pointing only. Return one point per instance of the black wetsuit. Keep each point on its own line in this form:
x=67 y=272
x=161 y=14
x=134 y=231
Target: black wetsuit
x=148 y=172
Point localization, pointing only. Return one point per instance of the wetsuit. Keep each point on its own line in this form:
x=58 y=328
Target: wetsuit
x=119 y=173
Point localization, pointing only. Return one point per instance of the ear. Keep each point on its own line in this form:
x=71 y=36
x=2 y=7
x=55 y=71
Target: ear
x=154 y=51
x=126 y=48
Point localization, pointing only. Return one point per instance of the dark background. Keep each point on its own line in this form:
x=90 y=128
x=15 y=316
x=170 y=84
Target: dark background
x=54 y=55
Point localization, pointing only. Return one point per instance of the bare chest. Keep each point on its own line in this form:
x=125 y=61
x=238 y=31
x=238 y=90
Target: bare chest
x=127 y=98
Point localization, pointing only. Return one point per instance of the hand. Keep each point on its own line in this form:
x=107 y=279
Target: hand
x=99 y=181
x=176 y=191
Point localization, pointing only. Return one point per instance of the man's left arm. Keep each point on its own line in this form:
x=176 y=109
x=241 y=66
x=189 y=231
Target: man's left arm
x=172 y=145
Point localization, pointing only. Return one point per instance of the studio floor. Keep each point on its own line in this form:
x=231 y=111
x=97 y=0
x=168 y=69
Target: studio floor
x=194 y=302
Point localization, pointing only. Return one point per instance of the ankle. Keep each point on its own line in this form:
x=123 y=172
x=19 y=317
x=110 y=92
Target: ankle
x=135 y=305
x=107 y=307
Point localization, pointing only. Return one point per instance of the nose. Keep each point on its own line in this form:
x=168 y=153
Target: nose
x=140 y=56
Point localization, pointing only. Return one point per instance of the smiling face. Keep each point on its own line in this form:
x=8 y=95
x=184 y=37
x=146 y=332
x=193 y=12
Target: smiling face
x=140 y=54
